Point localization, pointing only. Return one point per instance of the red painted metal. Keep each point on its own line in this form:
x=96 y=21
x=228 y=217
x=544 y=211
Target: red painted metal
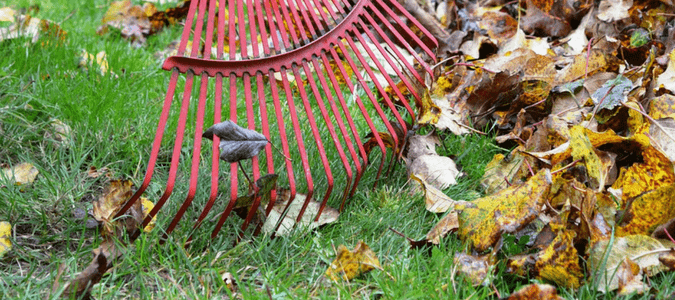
x=291 y=55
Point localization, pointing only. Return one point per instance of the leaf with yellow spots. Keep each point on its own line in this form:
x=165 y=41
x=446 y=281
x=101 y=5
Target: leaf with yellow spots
x=507 y=211
x=582 y=149
x=501 y=171
x=662 y=107
x=655 y=171
x=536 y=291
x=559 y=262
x=429 y=112
x=648 y=211
x=147 y=207
x=350 y=264
x=5 y=235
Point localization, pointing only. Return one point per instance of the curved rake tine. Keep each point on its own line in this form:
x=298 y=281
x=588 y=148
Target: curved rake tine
x=405 y=28
x=359 y=102
x=399 y=55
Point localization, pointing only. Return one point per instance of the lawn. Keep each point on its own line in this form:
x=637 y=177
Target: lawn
x=113 y=118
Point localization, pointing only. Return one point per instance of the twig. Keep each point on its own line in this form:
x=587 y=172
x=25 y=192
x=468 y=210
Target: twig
x=588 y=55
x=653 y=121
x=566 y=167
x=470 y=128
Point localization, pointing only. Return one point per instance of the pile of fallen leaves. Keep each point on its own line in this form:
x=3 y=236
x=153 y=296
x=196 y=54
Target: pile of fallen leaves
x=583 y=94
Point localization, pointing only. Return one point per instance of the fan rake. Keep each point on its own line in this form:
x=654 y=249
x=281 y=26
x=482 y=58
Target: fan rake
x=295 y=57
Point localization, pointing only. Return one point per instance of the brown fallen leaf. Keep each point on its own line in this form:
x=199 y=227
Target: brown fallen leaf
x=351 y=264
x=449 y=223
x=104 y=255
x=629 y=275
x=535 y=291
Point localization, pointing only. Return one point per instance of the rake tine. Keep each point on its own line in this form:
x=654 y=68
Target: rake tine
x=393 y=65
x=164 y=117
x=154 y=153
x=398 y=53
x=201 y=108
x=317 y=136
x=305 y=18
x=256 y=169
x=298 y=138
x=330 y=4
x=175 y=158
x=359 y=102
x=215 y=159
x=329 y=8
x=242 y=29
x=314 y=17
x=370 y=94
x=233 y=166
x=288 y=23
x=341 y=126
x=322 y=15
x=280 y=26
x=350 y=121
x=379 y=87
x=405 y=28
x=254 y=27
x=390 y=28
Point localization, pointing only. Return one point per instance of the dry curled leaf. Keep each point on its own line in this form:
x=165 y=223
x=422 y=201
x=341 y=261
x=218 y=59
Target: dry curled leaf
x=236 y=143
x=535 y=291
x=290 y=220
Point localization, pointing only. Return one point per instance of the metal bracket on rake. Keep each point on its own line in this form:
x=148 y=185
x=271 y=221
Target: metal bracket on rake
x=296 y=58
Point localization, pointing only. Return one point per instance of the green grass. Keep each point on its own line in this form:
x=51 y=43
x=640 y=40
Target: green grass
x=113 y=122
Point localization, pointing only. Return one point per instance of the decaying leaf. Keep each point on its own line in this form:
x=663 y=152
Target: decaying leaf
x=559 y=262
x=667 y=78
x=439 y=171
x=477 y=268
x=350 y=264
x=236 y=143
x=290 y=220
x=535 y=291
x=501 y=171
x=5 y=236
x=104 y=255
x=504 y=212
x=109 y=203
x=21 y=174
x=609 y=255
x=61 y=132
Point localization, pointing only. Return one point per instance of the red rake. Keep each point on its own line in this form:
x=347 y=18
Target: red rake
x=302 y=42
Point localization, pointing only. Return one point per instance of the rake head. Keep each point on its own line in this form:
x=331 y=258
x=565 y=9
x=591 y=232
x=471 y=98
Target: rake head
x=291 y=61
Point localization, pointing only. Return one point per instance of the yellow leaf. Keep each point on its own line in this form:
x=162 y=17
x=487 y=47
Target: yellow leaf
x=502 y=171
x=23 y=173
x=7 y=14
x=648 y=211
x=147 y=207
x=582 y=149
x=350 y=264
x=559 y=262
x=5 y=235
x=504 y=212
